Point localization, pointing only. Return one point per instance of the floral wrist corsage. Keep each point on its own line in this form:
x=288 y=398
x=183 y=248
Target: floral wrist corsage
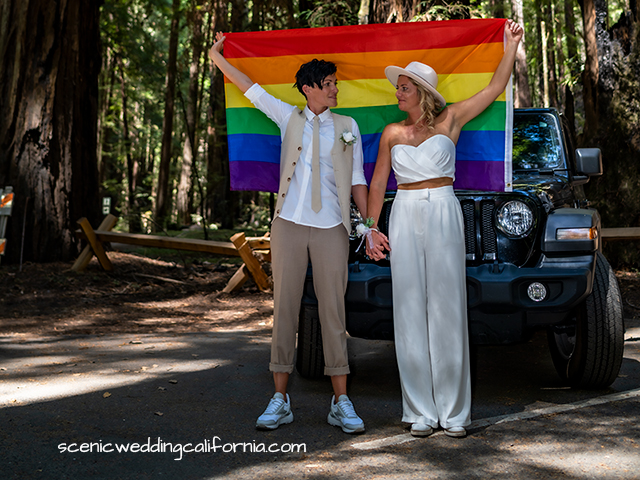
x=365 y=230
x=347 y=138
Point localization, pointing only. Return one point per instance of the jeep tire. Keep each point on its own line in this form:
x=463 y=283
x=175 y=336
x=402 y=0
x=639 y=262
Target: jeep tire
x=310 y=361
x=587 y=350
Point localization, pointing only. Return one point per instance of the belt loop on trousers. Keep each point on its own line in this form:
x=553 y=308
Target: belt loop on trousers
x=427 y=194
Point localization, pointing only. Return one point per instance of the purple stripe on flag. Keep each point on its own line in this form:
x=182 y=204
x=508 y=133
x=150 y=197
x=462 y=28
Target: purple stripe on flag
x=260 y=176
x=479 y=175
x=473 y=175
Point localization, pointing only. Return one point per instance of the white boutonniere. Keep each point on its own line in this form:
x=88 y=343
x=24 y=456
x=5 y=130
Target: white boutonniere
x=347 y=138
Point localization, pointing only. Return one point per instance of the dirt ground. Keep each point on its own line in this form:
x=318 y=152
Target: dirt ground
x=140 y=295
x=145 y=295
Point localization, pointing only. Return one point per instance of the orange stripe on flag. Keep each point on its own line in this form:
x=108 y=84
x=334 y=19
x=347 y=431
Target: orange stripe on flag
x=371 y=65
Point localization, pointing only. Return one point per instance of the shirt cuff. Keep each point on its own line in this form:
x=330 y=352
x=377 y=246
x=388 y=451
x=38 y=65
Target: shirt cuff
x=254 y=92
x=358 y=180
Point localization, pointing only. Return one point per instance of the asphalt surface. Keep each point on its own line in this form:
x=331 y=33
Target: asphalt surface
x=190 y=402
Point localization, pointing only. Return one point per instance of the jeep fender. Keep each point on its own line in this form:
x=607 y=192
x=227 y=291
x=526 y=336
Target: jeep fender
x=571 y=230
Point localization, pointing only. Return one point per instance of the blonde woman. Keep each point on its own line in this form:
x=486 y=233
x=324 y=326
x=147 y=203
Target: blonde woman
x=426 y=242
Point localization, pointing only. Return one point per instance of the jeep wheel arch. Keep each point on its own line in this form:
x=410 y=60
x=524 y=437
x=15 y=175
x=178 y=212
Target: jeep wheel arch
x=587 y=350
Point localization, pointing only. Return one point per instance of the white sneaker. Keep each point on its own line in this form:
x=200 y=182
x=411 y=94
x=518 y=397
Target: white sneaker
x=455 y=432
x=343 y=415
x=421 y=430
x=277 y=413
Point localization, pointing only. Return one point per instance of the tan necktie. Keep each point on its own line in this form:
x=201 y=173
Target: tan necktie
x=316 y=201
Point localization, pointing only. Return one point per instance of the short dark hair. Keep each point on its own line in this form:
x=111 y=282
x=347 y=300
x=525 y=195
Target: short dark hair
x=313 y=73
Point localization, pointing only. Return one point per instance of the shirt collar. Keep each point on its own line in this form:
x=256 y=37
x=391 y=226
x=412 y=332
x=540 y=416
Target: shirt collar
x=323 y=116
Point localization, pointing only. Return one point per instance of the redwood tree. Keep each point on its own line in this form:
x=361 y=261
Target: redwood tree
x=49 y=66
x=163 y=203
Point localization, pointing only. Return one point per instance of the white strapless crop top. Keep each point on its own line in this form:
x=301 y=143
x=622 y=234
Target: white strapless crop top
x=433 y=158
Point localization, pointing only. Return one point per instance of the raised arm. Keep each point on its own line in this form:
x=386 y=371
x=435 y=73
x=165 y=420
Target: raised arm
x=468 y=109
x=239 y=79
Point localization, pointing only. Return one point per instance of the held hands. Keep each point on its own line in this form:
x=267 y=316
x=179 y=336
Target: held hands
x=378 y=244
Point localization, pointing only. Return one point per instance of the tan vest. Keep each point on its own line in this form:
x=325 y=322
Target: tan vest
x=342 y=160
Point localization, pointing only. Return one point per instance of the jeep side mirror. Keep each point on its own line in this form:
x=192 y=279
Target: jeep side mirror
x=589 y=162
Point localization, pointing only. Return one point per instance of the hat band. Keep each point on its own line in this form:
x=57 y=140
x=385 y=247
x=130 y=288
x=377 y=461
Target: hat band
x=423 y=79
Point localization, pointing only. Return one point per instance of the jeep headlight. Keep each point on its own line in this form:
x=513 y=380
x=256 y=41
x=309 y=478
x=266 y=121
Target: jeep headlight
x=515 y=218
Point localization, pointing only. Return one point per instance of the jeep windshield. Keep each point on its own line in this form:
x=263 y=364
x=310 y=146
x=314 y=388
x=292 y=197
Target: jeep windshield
x=536 y=146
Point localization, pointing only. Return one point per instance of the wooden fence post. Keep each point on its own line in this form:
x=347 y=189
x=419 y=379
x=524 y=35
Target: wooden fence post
x=252 y=263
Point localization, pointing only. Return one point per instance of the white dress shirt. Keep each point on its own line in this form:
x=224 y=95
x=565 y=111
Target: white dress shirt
x=297 y=204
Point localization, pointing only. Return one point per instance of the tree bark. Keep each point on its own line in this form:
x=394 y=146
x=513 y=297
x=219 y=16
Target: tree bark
x=49 y=66
x=571 y=38
x=391 y=11
x=220 y=198
x=184 y=198
x=551 y=53
x=523 y=92
x=133 y=210
x=163 y=202
x=545 y=63
x=590 y=72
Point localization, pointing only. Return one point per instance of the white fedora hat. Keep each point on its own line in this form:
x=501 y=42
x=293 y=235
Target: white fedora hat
x=421 y=73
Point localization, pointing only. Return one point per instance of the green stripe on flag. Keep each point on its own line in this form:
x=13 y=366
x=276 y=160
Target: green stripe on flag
x=370 y=119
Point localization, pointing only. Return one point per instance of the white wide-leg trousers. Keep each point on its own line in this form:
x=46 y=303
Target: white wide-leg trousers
x=426 y=235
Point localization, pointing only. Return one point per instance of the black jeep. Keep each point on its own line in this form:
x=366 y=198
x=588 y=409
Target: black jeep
x=533 y=262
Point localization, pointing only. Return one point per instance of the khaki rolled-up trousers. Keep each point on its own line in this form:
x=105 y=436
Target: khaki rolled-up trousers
x=292 y=247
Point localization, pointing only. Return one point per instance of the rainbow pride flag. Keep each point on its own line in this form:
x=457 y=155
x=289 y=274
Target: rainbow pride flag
x=464 y=53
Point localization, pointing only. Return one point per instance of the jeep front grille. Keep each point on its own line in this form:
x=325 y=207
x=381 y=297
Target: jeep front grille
x=480 y=238
x=469 y=213
x=479 y=230
x=489 y=247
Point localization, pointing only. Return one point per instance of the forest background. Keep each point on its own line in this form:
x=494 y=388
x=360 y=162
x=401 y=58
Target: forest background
x=117 y=99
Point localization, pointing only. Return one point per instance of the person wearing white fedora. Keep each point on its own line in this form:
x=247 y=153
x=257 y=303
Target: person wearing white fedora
x=426 y=242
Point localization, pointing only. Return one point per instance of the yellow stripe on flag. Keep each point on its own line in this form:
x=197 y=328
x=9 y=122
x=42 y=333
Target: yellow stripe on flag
x=367 y=93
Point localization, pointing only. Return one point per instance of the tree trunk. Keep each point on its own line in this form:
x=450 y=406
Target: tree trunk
x=133 y=210
x=107 y=82
x=571 y=39
x=189 y=151
x=49 y=66
x=219 y=197
x=590 y=72
x=615 y=193
x=545 y=63
x=496 y=8
x=105 y=131
x=379 y=11
x=163 y=203
x=390 y=11
x=551 y=53
x=523 y=92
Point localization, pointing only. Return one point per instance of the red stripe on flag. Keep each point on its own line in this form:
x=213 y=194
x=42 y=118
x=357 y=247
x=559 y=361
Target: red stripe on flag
x=364 y=38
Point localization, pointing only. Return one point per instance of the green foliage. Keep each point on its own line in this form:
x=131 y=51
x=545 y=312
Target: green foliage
x=135 y=37
x=135 y=45
x=332 y=13
x=436 y=11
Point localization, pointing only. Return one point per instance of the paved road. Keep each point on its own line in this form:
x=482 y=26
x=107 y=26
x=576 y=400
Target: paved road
x=206 y=390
